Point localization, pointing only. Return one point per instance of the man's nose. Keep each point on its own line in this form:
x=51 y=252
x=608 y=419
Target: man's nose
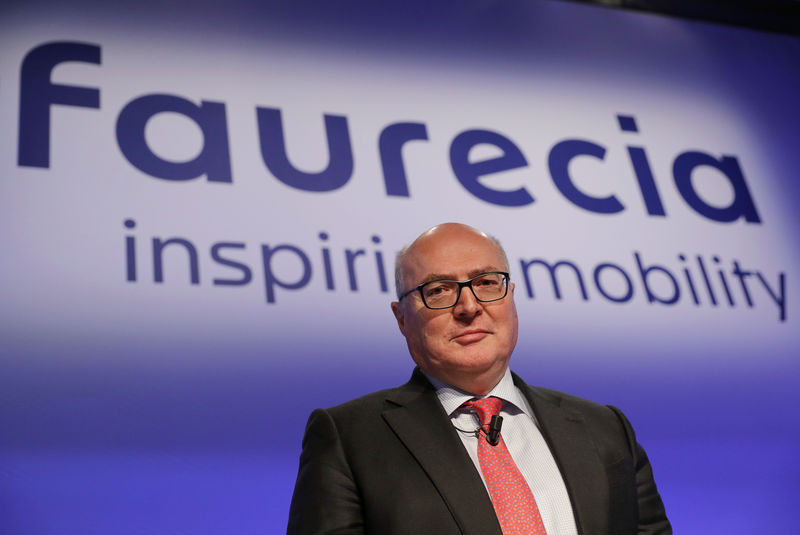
x=467 y=306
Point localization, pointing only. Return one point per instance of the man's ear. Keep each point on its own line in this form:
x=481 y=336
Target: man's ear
x=399 y=315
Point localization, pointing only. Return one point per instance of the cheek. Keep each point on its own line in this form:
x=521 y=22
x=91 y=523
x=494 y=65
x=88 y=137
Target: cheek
x=510 y=326
x=514 y=323
x=432 y=336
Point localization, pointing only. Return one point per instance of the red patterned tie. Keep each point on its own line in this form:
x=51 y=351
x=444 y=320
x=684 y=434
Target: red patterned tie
x=511 y=496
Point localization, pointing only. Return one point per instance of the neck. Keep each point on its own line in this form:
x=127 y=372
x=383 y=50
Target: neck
x=477 y=385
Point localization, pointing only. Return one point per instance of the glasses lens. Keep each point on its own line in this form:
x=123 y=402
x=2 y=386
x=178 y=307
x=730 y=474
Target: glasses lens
x=489 y=287
x=440 y=294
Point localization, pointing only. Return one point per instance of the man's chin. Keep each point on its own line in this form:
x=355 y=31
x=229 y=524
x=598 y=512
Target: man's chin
x=473 y=360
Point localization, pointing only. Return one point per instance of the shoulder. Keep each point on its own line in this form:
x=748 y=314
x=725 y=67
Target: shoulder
x=368 y=403
x=372 y=405
x=547 y=400
x=563 y=399
x=555 y=397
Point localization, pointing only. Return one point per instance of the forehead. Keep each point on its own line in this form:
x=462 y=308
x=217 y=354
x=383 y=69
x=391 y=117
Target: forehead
x=455 y=254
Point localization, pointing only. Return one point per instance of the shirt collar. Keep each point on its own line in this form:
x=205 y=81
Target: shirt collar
x=452 y=398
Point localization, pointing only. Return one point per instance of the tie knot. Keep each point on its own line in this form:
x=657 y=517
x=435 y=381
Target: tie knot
x=486 y=408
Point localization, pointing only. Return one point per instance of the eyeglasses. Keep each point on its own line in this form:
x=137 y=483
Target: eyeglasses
x=440 y=294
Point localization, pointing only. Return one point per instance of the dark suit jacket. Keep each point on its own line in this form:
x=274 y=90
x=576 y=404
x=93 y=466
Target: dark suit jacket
x=391 y=463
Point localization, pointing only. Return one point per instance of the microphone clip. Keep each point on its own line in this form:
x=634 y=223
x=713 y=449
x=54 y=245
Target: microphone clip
x=493 y=436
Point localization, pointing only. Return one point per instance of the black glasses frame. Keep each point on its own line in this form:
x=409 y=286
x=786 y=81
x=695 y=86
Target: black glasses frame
x=461 y=284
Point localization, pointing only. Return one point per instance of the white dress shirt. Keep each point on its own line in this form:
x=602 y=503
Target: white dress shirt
x=525 y=442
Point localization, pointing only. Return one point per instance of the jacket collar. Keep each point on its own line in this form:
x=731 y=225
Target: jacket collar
x=576 y=455
x=420 y=422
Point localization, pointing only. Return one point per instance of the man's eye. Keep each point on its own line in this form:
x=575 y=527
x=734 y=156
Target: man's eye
x=433 y=290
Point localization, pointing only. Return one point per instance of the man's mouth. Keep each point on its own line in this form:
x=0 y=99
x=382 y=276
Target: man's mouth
x=470 y=336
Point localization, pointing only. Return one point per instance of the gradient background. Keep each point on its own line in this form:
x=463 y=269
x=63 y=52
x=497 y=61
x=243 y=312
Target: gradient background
x=173 y=408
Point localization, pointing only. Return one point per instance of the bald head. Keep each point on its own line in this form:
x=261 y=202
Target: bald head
x=438 y=234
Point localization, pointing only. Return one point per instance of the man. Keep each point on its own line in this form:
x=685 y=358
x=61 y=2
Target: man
x=426 y=458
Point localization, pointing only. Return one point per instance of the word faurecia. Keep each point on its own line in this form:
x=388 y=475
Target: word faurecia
x=213 y=161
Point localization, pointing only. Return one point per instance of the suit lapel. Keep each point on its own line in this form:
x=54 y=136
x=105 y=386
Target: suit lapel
x=419 y=421
x=576 y=456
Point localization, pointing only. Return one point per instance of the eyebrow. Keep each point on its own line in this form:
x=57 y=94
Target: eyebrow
x=450 y=277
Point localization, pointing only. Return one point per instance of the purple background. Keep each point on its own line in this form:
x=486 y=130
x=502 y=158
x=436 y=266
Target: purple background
x=130 y=431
